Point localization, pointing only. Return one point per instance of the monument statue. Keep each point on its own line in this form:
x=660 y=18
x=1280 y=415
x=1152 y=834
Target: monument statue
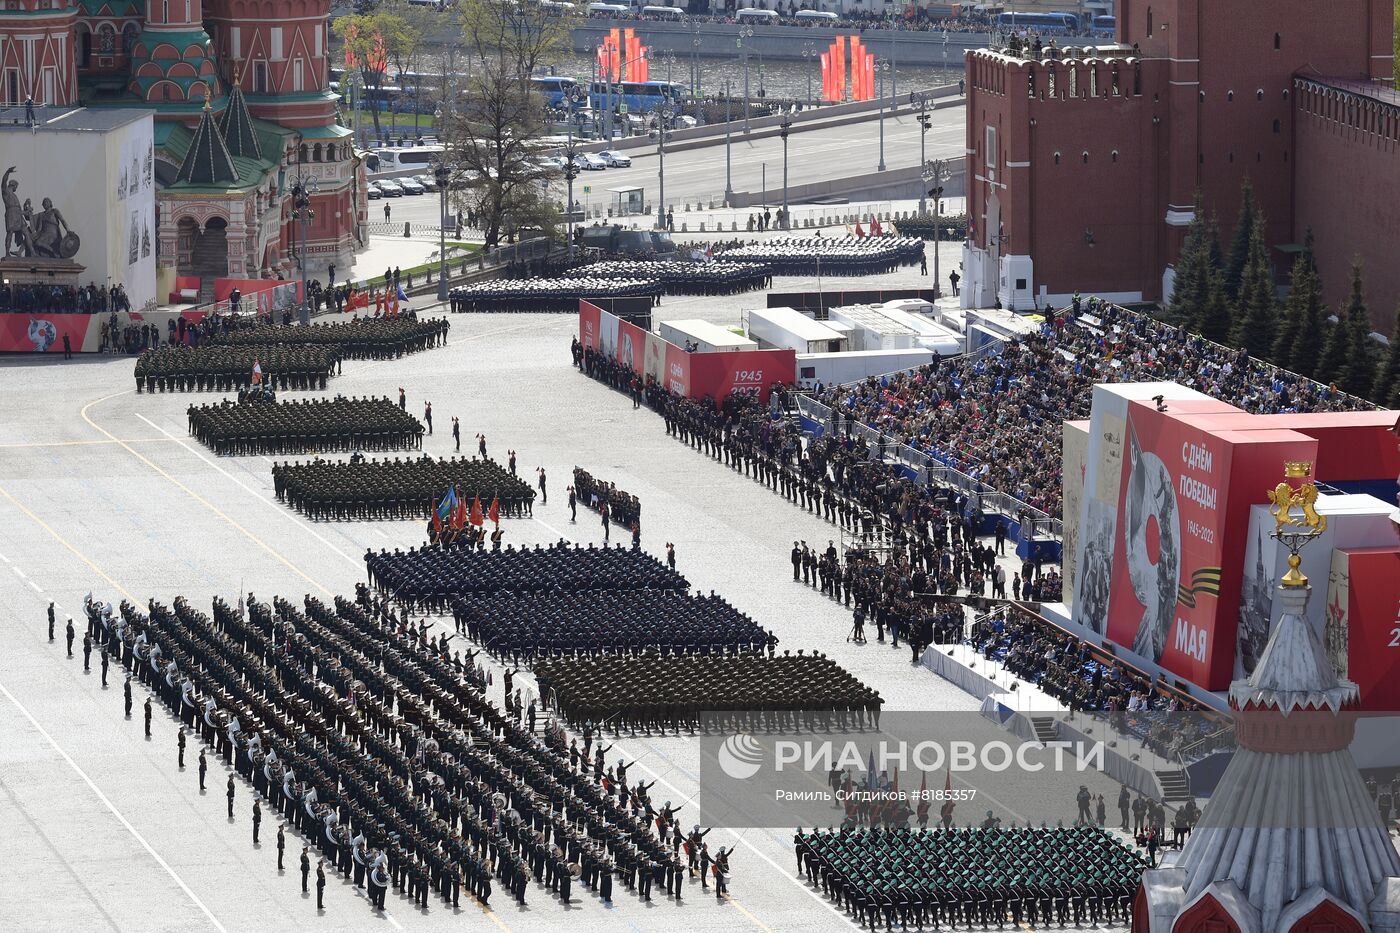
x=29 y=234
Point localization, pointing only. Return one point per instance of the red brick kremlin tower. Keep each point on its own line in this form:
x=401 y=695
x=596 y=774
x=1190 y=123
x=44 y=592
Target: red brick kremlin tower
x=1083 y=166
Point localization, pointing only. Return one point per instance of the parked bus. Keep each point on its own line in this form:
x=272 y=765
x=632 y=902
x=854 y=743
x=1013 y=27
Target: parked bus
x=554 y=88
x=402 y=157
x=1104 y=27
x=1044 y=24
x=639 y=96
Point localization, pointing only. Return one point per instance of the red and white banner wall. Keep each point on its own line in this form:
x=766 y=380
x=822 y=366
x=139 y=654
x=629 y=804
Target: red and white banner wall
x=693 y=375
x=44 y=333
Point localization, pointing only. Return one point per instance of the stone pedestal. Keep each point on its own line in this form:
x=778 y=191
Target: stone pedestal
x=36 y=270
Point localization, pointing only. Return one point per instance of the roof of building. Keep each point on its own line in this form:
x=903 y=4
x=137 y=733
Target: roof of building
x=207 y=161
x=237 y=126
x=70 y=119
x=1378 y=91
x=1293 y=673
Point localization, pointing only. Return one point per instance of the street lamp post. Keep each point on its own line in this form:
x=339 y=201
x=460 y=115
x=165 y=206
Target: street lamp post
x=304 y=188
x=663 y=130
x=925 y=122
x=745 y=32
x=442 y=175
x=783 y=129
x=933 y=178
x=728 y=127
x=570 y=173
x=809 y=51
x=882 y=67
x=695 y=63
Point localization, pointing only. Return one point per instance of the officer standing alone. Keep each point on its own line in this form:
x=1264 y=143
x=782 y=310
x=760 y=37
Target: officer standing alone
x=203 y=769
x=148 y=717
x=230 y=796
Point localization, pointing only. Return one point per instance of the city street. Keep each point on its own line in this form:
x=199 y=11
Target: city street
x=697 y=175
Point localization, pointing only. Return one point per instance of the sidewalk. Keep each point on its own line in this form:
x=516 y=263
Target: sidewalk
x=831 y=219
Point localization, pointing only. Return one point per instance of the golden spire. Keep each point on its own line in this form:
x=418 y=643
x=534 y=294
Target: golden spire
x=1296 y=521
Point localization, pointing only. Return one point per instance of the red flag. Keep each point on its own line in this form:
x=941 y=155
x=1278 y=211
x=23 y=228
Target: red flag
x=922 y=811
x=495 y=513
x=476 y=512
x=437 y=521
x=459 y=514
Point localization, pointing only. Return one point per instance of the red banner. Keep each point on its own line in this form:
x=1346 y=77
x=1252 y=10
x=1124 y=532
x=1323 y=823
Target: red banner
x=1180 y=541
x=631 y=346
x=588 y=324
x=718 y=374
x=1364 y=627
x=678 y=371
x=44 y=333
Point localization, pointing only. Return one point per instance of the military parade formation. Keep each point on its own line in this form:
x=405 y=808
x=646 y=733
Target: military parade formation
x=212 y=368
x=974 y=875
x=548 y=294
x=360 y=338
x=817 y=255
x=670 y=693
x=382 y=750
x=408 y=487
x=305 y=426
x=520 y=627
x=683 y=277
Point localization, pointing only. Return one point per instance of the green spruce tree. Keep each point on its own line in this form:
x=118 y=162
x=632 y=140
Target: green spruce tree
x=1358 y=374
x=1240 y=244
x=1256 y=307
x=1191 y=283
x=1294 y=315
x=1215 y=321
x=1384 y=392
x=1308 y=346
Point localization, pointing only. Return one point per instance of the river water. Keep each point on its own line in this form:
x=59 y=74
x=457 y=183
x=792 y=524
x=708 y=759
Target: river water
x=786 y=80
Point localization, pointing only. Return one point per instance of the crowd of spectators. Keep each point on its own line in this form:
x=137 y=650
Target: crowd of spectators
x=999 y=418
x=33 y=298
x=1083 y=679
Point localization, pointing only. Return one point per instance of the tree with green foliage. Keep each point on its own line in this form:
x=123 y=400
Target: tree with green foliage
x=495 y=138
x=1241 y=243
x=1305 y=301
x=1384 y=392
x=1358 y=373
x=1215 y=317
x=1294 y=316
x=1191 y=281
x=1256 y=307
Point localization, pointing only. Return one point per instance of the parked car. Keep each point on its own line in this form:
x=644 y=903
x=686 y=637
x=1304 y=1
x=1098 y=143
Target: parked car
x=428 y=182
x=554 y=162
x=373 y=193
x=390 y=189
x=588 y=162
x=615 y=159
x=410 y=186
